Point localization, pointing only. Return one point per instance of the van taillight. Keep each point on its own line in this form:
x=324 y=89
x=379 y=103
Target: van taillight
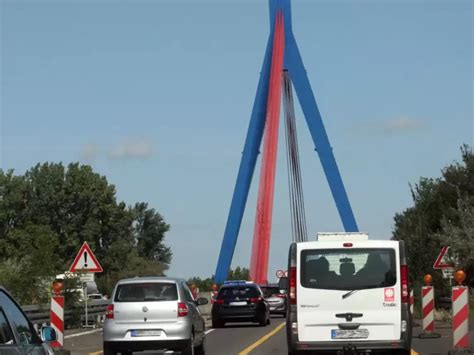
x=182 y=309
x=404 y=282
x=293 y=285
x=109 y=311
x=347 y=245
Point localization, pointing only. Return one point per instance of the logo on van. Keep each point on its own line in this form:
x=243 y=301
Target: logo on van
x=389 y=294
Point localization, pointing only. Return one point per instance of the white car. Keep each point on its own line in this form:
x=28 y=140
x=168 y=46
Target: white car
x=154 y=313
x=348 y=293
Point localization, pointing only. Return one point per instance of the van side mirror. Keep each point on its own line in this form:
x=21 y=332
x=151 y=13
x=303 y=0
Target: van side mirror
x=48 y=334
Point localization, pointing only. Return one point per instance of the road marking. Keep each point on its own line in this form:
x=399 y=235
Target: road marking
x=83 y=333
x=262 y=339
x=208 y=331
x=96 y=353
x=413 y=352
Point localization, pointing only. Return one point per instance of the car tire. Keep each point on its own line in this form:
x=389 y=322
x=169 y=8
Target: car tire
x=403 y=352
x=109 y=349
x=268 y=320
x=189 y=349
x=201 y=349
x=263 y=322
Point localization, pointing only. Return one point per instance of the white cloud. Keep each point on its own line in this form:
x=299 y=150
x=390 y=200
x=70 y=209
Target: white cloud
x=90 y=152
x=133 y=148
x=402 y=124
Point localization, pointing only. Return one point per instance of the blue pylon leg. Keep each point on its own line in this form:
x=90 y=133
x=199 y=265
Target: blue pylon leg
x=295 y=67
x=246 y=170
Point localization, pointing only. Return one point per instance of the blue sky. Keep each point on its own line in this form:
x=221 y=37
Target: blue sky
x=156 y=95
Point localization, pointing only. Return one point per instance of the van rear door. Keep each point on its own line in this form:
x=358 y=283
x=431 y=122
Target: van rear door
x=349 y=291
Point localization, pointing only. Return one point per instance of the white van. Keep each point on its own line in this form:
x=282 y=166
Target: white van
x=348 y=294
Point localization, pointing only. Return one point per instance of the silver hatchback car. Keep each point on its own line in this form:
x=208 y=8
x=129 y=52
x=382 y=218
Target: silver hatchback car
x=154 y=313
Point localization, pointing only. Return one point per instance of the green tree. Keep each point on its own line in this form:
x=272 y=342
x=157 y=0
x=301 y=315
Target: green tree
x=46 y=215
x=441 y=215
x=239 y=273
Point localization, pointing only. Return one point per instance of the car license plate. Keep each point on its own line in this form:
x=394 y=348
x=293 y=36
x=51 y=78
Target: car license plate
x=146 y=333
x=349 y=333
x=241 y=303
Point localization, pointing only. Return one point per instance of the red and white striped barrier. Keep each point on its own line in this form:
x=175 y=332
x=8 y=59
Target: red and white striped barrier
x=57 y=319
x=412 y=301
x=213 y=296
x=460 y=316
x=427 y=302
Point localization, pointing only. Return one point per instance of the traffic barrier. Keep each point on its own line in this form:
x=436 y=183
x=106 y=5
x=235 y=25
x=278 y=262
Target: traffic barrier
x=427 y=303
x=460 y=316
x=57 y=320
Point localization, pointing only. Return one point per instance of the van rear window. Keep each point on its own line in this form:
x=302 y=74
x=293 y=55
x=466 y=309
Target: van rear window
x=348 y=269
x=150 y=291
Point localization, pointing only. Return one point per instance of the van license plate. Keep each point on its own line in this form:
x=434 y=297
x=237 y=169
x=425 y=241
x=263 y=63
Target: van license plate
x=146 y=333
x=349 y=334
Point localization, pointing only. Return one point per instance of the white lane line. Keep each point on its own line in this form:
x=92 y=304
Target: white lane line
x=208 y=331
x=83 y=333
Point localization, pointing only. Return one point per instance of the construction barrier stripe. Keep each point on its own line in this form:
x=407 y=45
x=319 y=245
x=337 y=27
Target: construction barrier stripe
x=460 y=317
x=412 y=301
x=57 y=308
x=57 y=319
x=428 y=308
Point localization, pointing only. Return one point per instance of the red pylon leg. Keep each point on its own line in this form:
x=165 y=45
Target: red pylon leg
x=263 y=218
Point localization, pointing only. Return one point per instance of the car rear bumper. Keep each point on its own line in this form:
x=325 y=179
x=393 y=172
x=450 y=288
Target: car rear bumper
x=136 y=346
x=121 y=332
x=355 y=345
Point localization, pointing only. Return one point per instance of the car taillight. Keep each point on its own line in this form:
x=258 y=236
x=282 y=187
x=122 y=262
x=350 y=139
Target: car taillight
x=255 y=299
x=404 y=283
x=347 y=245
x=293 y=285
x=109 y=311
x=219 y=301
x=280 y=295
x=182 y=309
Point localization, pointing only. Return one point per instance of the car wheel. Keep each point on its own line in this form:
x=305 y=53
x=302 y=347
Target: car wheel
x=126 y=353
x=268 y=321
x=109 y=349
x=189 y=349
x=403 y=352
x=263 y=321
x=201 y=349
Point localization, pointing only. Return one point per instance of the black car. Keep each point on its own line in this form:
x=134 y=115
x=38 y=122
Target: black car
x=240 y=302
x=17 y=335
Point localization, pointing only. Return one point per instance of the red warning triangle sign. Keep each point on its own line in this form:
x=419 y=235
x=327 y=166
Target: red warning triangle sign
x=85 y=261
x=441 y=262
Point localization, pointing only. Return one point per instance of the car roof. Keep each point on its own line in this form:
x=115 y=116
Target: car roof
x=229 y=284
x=150 y=279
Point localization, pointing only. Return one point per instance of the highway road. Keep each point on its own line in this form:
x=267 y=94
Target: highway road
x=244 y=339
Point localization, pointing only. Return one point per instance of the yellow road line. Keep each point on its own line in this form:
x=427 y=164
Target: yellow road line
x=262 y=340
x=413 y=352
x=96 y=353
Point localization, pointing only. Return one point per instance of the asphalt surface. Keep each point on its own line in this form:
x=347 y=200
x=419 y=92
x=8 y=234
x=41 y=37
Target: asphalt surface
x=252 y=339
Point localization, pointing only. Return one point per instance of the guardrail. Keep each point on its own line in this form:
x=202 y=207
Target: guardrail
x=40 y=314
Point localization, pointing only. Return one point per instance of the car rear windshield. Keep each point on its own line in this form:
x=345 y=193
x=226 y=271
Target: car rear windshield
x=348 y=269
x=140 y=292
x=270 y=291
x=239 y=291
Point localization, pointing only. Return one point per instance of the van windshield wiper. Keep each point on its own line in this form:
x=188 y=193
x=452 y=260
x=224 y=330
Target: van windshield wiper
x=350 y=293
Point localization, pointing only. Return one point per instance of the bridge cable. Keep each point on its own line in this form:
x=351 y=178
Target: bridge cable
x=295 y=185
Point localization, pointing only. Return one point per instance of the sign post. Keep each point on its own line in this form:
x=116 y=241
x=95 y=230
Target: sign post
x=87 y=264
